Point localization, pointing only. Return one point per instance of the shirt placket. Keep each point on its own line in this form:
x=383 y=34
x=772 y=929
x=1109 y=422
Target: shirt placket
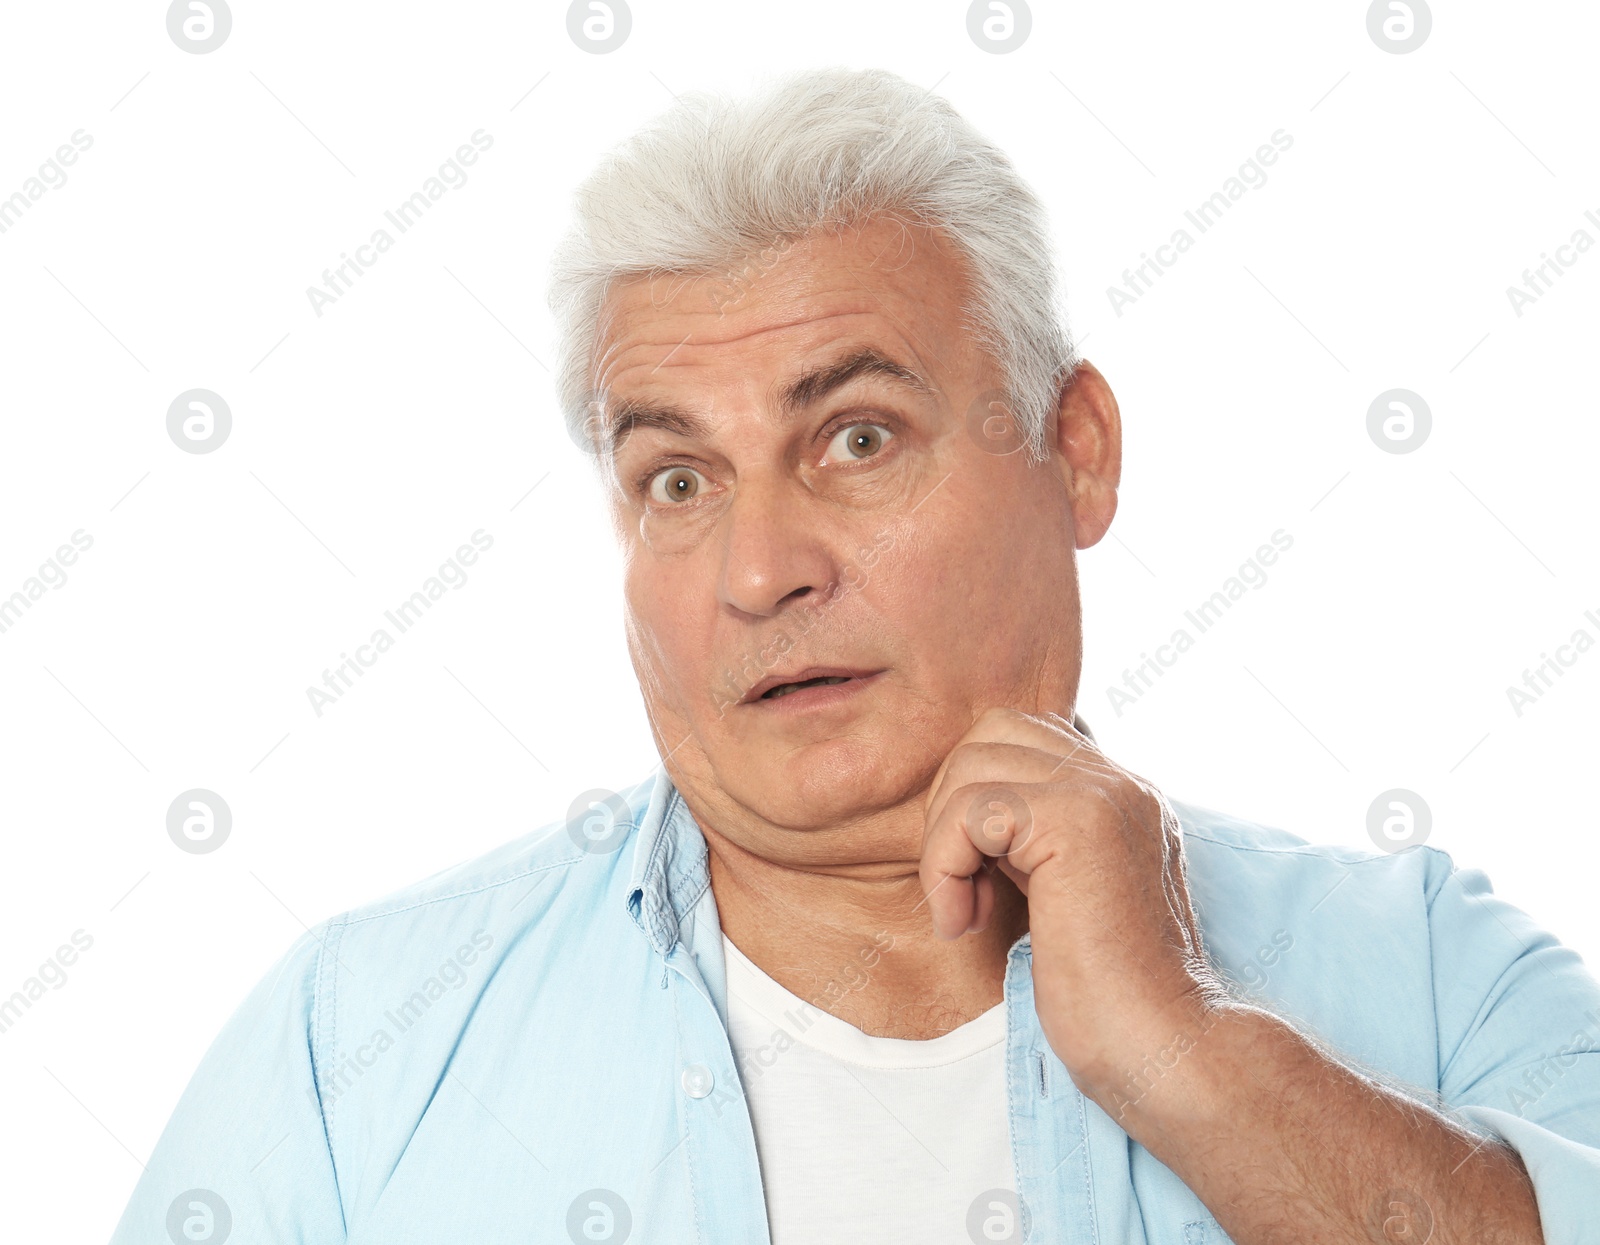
x=1054 y=1135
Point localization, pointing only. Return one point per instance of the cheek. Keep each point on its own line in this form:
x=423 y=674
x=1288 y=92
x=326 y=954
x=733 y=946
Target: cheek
x=989 y=585
x=1023 y=546
x=925 y=609
x=674 y=628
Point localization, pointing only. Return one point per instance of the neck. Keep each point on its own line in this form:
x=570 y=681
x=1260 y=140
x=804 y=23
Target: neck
x=856 y=940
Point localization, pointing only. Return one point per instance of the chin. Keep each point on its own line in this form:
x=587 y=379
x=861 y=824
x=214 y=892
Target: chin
x=817 y=785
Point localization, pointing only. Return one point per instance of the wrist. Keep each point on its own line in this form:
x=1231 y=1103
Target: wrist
x=1171 y=1065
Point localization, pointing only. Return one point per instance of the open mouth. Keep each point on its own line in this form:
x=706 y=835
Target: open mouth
x=821 y=684
x=783 y=689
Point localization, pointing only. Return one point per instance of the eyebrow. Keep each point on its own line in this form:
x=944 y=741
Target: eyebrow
x=805 y=390
x=818 y=383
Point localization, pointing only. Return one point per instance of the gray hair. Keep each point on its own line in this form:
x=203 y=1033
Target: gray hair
x=713 y=181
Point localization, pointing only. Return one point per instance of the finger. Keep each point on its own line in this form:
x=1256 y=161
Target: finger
x=1048 y=733
x=1019 y=879
x=949 y=888
x=980 y=820
x=983 y=901
x=1007 y=726
x=983 y=761
x=1052 y=732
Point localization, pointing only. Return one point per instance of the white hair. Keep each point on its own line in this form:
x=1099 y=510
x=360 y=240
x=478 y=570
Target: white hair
x=714 y=181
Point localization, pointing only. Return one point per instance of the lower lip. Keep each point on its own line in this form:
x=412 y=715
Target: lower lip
x=818 y=696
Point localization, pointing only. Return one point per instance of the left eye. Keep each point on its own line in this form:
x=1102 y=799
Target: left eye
x=857 y=441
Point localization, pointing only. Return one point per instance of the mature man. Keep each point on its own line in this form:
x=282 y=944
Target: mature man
x=887 y=950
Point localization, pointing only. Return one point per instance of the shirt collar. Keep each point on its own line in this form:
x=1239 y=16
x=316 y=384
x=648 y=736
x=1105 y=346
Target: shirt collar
x=670 y=872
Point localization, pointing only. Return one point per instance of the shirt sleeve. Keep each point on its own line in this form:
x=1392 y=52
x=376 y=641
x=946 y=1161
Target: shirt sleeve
x=245 y=1154
x=1519 y=1043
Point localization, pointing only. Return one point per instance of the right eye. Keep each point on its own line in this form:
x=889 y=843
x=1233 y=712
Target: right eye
x=675 y=484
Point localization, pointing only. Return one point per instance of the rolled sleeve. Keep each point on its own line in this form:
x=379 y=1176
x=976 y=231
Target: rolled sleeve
x=246 y=1152
x=1518 y=1019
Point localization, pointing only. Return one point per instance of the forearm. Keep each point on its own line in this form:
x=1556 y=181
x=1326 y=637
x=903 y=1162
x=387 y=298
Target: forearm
x=1283 y=1143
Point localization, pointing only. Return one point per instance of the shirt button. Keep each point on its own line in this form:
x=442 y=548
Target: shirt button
x=697 y=1080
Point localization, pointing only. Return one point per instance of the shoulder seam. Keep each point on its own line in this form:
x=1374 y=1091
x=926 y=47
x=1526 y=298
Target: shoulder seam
x=357 y=916
x=1277 y=849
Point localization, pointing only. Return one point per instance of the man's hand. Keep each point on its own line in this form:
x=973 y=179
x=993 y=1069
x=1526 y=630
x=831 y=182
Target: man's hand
x=1118 y=969
x=1280 y=1140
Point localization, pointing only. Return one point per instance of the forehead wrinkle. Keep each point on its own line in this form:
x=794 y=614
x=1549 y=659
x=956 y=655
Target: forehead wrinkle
x=620 y=344
x=905 y=328
x=791 y=280
x=670 y=416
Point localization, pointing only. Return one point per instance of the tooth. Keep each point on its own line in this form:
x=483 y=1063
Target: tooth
x=826 y=680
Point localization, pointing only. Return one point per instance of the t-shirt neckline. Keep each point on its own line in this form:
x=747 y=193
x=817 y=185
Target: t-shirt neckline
x=811 y=1025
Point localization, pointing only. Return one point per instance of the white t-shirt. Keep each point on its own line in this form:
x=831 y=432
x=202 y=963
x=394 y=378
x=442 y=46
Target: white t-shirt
x=869 y=1138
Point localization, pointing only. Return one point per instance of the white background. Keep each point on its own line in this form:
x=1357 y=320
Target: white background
x=369 y=442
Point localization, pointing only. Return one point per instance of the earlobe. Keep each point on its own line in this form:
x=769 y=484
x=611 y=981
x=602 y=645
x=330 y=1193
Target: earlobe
x=1092 y=511
x=1088 y=437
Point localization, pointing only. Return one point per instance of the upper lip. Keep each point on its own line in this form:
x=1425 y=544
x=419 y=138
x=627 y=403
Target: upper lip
x=800 y=676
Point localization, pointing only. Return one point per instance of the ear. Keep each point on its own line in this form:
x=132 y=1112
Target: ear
x=1088 y=441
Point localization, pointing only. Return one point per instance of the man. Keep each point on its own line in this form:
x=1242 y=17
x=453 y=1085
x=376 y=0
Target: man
x=887 y=950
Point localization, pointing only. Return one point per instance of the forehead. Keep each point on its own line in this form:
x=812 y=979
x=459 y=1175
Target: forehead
x=899 y=286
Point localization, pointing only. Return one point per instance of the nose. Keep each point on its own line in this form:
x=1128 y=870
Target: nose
x=774 y=553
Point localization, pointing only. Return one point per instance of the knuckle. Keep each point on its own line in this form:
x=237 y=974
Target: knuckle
x=995 y=810
x=1000 y=715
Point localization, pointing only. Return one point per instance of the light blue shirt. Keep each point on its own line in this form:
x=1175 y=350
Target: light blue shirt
x=532 y=1047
